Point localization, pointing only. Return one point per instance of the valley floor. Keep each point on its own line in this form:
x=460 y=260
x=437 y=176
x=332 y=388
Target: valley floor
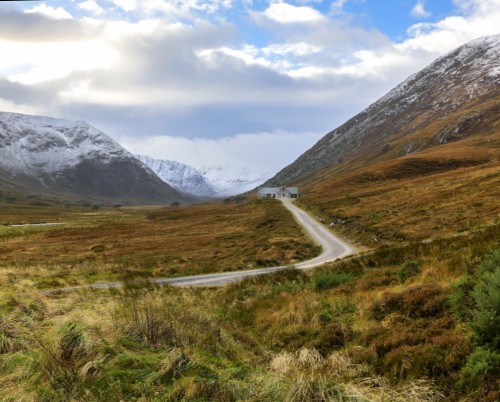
x=403 y=323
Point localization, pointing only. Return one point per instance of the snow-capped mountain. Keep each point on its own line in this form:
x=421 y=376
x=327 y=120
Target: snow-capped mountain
x=452 y=98
x=62 y=156
x=46 y=145
x=181 y=177
x=230 y=181
x=205 y=182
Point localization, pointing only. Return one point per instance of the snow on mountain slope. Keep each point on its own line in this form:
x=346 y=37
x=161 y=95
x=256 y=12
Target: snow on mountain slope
x=231 y=181
x=30 y=144
x=205 y=182
x=182 y=177
x=451 y=98
x=76 y=157
x=68 y=157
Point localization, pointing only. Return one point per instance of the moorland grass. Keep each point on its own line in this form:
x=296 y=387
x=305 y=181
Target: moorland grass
x=404 y=322
x=126 y=243
x=266 y=338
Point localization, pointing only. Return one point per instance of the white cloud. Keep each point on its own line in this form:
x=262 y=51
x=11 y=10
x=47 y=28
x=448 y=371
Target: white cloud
x=276 y=57
x=248 y=54
x=91 y=6
x=337 y=6
x=453 y=31
x=419 y=10
x=285 y=13
x=171 y=76
x=54 y=60
x=263 y=152
x=173 y=8
x=126 y=5
x=18 y=107
x=294 y=49
x=477 y=6
x=56 y=13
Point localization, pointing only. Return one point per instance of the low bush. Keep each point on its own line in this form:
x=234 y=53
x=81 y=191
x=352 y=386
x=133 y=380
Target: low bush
x=461 y=302
x=480 y=373
x=333 y=336
x=328 y=280
x=486 y=317
x=475 y=300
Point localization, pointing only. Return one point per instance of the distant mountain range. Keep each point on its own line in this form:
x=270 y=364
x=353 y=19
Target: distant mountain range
x=455 y=97
x=231 y=181
x=60 y=157
x=205 y=182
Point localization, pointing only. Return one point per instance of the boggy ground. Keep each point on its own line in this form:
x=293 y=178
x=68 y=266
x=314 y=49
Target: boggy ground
x=95 y=244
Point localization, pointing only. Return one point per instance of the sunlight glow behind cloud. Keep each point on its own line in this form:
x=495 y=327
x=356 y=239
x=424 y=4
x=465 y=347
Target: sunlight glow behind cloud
x=209 y=70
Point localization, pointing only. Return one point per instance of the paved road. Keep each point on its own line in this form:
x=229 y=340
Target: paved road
x=333 y=248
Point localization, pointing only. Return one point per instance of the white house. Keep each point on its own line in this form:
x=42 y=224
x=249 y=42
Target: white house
x=279 y=192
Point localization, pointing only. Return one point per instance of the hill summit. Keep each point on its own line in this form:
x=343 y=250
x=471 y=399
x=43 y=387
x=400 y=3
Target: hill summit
x=41 y=154
x=454 y=97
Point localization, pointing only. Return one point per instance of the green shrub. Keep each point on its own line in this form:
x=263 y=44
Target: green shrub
x=471 y=289
x=486 y=317
x=461 y=302
x=328 y=280
x=490 y=263
x=481 y=370
x=482 y=367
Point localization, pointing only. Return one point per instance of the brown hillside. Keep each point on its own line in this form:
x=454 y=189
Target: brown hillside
x=443 y=190
x=456 y=97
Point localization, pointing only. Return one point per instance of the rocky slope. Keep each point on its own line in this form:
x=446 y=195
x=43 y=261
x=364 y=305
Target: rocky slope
x=73 y=158
x=458 y=95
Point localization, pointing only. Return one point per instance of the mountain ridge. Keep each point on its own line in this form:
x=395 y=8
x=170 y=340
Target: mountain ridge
x=207 y=181
x=73 y=158
x=448 y=87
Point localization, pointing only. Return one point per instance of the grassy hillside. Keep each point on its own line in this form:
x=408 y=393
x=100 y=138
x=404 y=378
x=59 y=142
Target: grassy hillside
x=447 y=190
x=369 y=329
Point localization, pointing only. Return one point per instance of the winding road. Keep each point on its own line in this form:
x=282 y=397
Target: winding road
x=332 y=246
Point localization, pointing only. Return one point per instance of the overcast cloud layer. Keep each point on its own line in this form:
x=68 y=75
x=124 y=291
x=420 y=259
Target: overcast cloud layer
x=237 y=83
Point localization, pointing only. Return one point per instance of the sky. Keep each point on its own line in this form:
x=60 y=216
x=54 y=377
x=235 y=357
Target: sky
x=236 y=83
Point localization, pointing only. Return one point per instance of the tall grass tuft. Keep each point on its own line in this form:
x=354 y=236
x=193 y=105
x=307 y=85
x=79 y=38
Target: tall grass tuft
x=10 y=338
x=72 y=342
x=306 y=376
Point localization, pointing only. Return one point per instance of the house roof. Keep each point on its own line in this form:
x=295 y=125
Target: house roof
x=275 y=190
